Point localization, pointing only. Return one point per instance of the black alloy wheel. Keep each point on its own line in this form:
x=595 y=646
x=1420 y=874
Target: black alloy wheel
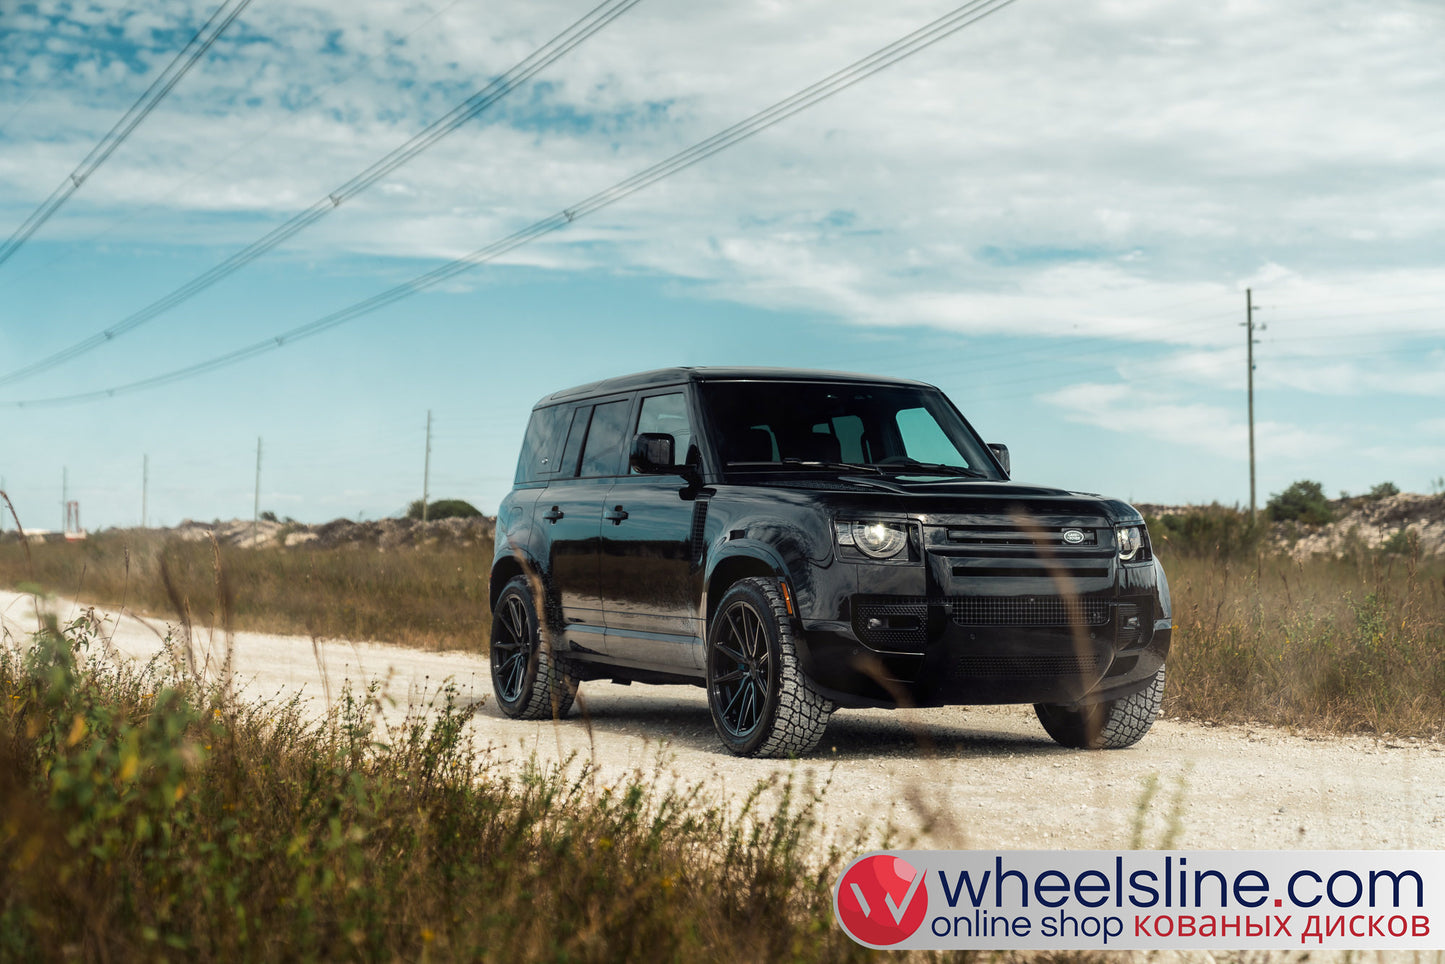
x=742 y=669
x=527 y=679
x=762 y=703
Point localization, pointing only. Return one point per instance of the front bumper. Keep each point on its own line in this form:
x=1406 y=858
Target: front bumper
x=920 y=651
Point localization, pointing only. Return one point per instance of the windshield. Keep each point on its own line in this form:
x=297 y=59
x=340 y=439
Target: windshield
x=902 y=429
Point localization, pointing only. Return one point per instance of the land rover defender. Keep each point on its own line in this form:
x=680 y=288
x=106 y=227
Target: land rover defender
x=798 y=541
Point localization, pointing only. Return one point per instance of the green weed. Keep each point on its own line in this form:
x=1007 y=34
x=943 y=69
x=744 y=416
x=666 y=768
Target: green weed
x=150 y=815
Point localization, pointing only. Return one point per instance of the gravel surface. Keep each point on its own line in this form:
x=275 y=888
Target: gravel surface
x=985 y=777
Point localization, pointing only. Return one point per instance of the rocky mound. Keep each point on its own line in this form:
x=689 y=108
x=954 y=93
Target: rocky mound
x=1394 y=522
x=343 y=533
x=1402 y=523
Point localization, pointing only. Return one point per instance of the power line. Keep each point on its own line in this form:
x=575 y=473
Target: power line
x=885 y=57
x=229 y=154
x=210 y=31
x=593 y=21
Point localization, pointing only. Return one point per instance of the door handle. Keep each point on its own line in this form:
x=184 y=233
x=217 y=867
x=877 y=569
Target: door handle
x=553 y=515
x=616 y=514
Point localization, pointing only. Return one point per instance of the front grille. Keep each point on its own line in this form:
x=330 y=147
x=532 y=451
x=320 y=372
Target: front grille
x=1028 y=611
x=1013 y=535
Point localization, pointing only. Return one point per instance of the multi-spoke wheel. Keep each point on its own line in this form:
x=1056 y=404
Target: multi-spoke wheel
x=528 y=682
x=1110 y=725
x=762 y=703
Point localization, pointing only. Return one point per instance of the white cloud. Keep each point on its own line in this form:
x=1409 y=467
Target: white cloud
x=1203 y=428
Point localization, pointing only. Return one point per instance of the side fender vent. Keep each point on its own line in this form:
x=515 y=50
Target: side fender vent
x=697 y=544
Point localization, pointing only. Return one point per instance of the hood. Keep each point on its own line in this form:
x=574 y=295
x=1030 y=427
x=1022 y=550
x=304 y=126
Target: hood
x=938 y=497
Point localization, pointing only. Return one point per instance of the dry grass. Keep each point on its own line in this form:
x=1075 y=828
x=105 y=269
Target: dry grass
x=430 y=597
x=1342 y=645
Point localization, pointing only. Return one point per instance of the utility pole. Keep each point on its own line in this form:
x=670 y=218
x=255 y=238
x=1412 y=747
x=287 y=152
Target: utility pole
x=426 y=468
x=145 y=478
x=1249 y=343
x=256 y=507
x=64 y=496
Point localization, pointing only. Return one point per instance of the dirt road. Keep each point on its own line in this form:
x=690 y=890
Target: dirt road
x=963 y=777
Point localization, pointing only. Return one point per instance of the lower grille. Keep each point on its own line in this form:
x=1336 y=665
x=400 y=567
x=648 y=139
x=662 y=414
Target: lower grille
x=1028 y=667
x=901 y=623
x=1028 y=611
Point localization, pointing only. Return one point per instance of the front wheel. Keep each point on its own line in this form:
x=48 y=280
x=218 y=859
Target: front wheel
x=527 y=679
x=762 y=703
x=1110 y=725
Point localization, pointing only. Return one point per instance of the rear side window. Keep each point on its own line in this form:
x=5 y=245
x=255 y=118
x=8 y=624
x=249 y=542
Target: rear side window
x=541 y=447
x=573 y=450
x=602 y=455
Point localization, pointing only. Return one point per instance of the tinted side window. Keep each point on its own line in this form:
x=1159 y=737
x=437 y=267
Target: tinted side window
x=602 y=455
x=541 y=443
x=575 y=435
x=667 y=415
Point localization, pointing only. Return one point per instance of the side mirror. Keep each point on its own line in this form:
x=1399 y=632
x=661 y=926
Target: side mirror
x=652 y=453
x=1000 y=452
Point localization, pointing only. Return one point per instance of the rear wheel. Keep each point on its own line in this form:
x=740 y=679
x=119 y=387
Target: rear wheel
x=1110 y=725
x=762 y=703
x=527 y=679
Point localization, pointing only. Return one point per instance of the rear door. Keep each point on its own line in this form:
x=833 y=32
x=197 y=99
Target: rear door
x=569 y=514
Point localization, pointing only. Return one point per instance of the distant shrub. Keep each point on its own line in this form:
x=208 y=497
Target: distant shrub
x=1207 y=530
x=1403 y=542
x=1303 y=501
x=444 y=509
x=1383 y=491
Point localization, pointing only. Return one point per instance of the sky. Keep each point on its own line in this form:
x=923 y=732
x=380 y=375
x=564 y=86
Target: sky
x=1052 y=214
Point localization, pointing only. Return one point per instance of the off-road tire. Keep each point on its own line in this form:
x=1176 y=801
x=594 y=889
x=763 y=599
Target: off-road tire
x=1110 y=725
x=529 y=682
x=762 y=703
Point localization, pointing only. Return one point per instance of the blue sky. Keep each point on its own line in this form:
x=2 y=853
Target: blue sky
x=1052 y=215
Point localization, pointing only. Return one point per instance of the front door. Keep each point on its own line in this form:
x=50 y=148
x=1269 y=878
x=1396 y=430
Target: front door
x=650 y=578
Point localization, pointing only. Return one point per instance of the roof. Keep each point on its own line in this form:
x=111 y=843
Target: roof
x=676 y=376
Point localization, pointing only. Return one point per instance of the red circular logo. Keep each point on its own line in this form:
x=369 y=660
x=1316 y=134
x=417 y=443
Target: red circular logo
x=881 y=900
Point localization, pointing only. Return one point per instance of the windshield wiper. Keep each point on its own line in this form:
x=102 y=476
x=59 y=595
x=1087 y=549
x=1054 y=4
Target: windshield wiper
x=813 y=464
x=907 y=466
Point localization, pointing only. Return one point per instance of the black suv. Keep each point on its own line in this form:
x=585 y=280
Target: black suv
x=796 y=541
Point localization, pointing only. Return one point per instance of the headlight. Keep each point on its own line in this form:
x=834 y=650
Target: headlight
x=1130 y=540
x=881 y=540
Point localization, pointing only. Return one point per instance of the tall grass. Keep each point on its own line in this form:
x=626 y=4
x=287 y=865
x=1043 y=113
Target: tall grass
x=146 y=815
x=1355 y=644
x=433 y=597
